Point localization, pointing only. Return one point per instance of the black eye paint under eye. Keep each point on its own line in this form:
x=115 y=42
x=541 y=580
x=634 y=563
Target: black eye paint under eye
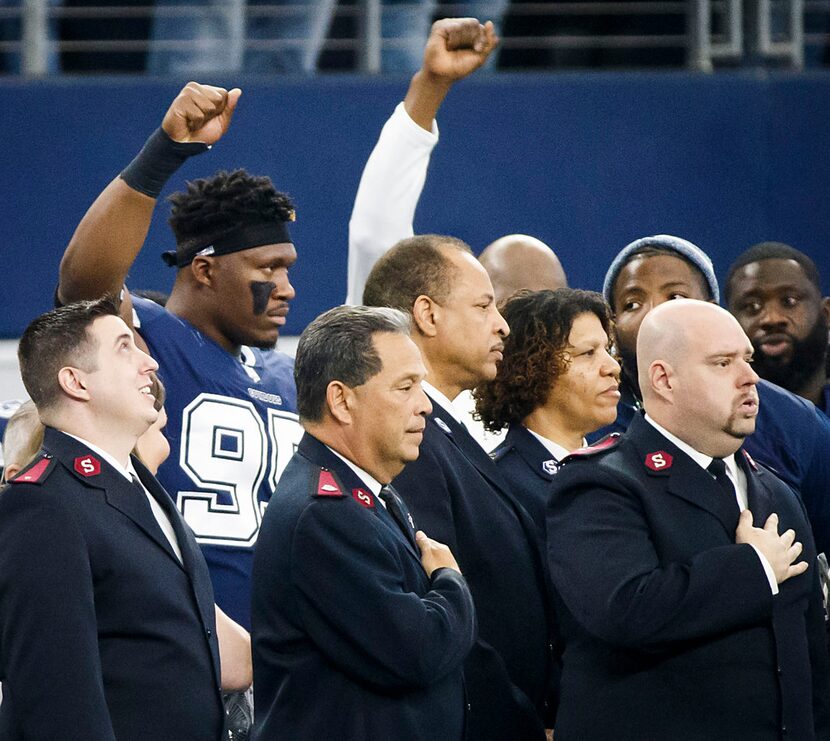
x=261 y=291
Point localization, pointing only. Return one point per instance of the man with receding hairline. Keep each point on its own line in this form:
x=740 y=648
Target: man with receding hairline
x=394 y=176
x=684 y=572
x=457 y=494
x=361 y=623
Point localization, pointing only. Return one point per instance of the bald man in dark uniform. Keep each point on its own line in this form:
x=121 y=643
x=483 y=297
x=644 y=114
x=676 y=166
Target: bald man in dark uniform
x=684 y=572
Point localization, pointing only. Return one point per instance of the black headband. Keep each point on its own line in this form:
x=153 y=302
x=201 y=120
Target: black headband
x=244 y=237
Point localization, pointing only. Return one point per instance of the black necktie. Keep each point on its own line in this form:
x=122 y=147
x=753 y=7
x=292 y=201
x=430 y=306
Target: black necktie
x=718 y=469
x=396 y=508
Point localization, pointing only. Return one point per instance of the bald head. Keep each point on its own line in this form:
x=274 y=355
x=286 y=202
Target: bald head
x=664 y=334
x=670 y=332
x=518 y=261
x=693 y=365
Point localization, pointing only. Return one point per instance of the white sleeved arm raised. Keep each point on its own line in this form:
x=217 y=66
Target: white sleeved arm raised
x=391 y=184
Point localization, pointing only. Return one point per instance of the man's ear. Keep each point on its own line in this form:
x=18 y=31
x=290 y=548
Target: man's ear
x=71 y=381
x=340 y=401
x=661 y=378
x=202 y=269
x=825 y=310
x=425 y=315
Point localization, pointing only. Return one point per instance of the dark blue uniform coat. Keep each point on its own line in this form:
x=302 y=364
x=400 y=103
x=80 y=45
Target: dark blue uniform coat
x=352 y=639
x=104 y=634
x=671 y=630
x=792 y=437
x=528 y=467
x=458 y=497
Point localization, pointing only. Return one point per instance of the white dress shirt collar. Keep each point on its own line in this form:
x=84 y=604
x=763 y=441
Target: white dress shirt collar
x=555 y=449
x=444 y=402
x=374 y=485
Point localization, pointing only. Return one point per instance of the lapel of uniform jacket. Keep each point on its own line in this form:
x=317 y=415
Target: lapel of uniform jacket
x=475 y=454
x=758 y=497
x=683 y=477
x=93 y=471
x=353 y=486
x=123 y=496
x=538 y=458
x=192 y=561
x=465 y=442
x=187 y=543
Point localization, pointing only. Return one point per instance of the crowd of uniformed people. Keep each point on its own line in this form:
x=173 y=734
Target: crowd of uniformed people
x=478 y=504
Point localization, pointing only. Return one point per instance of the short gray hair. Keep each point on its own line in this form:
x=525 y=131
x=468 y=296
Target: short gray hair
x=339 y=346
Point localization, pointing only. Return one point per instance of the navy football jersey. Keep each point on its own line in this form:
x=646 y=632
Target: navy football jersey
x=232 y=427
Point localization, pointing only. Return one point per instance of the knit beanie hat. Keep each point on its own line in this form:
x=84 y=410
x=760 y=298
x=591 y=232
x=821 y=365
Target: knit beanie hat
x=665 y=243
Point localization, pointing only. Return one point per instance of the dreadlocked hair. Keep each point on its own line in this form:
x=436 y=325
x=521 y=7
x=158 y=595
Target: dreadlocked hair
x=211 y=207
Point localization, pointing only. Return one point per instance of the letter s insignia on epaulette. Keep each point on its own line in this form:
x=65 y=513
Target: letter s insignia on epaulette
x=364 y=498
x=659 y=460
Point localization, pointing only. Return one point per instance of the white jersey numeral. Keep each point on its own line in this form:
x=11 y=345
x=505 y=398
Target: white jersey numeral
x=225 y=449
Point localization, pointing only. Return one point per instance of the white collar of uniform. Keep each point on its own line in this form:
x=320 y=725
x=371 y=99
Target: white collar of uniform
x=448 y=406
x=374 y=485
x=125 y=472
x=701 y=459
x=555 y=449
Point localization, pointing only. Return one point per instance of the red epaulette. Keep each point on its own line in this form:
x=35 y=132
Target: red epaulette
x=36 y=472
x=607 y=443
x=327 y=485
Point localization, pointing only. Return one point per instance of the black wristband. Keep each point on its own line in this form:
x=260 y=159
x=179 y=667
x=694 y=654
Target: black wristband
x=158 y=159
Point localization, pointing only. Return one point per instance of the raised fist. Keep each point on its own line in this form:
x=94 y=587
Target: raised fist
x=200 y=113
x=457 y=47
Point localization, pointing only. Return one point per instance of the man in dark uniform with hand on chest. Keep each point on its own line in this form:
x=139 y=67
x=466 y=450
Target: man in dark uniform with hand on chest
x=687 y=590
x=360 y=623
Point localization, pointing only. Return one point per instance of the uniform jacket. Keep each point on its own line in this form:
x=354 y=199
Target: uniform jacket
x=351 y=639
x=104 y=634
x=671 y=629
x=528 y=467
x=458 y=497
x=792 y=437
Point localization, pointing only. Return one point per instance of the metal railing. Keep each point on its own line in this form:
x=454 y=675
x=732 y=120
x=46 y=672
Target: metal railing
x=713 y=31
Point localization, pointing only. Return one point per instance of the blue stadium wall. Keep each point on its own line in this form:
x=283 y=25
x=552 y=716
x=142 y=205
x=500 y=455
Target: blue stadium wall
x=585 y=162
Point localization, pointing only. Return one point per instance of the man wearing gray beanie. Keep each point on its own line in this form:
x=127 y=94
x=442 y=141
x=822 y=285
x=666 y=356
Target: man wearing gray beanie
x=791 y=436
